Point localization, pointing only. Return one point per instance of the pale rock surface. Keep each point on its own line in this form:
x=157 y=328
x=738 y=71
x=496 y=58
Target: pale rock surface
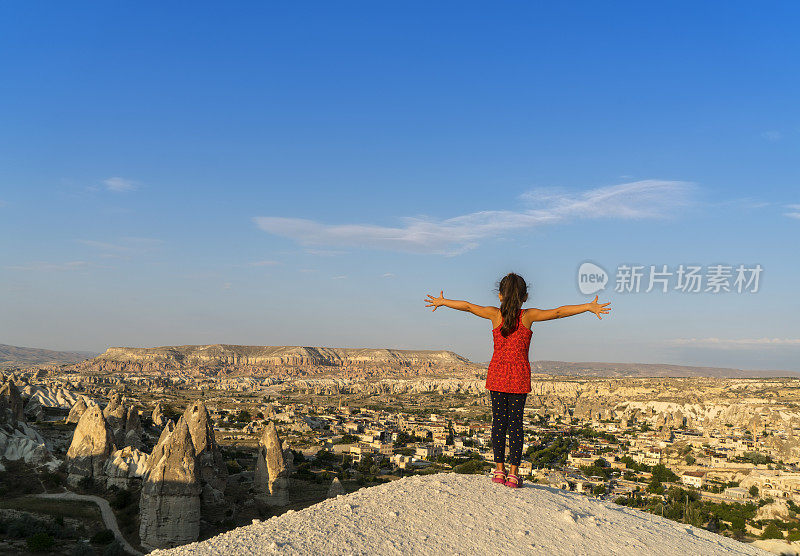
x=211 y=465
x=124 y=465
x=170 y=499
x=465 y=514
x=301 y=424
x=291 y=359
x=779 y=509
x=23 y=442
x=777 y=546
x=51 y=396
x=158 y=415
x=77 y=410
x=271 y=475
x=158 y=449
x=116 y=415
x=92 y=443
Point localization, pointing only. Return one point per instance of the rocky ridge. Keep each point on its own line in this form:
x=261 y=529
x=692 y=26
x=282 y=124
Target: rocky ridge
x=22 y=357
x=18 y=440
x=280 y=360
x=465 y=514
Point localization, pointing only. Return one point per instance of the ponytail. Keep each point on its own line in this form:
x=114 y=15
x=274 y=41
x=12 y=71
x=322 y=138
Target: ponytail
x=514 y=291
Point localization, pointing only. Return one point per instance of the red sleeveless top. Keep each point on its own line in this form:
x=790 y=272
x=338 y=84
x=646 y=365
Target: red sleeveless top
x=510 y=369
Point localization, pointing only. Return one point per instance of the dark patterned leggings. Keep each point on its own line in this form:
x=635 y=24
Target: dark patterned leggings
x=507 y=417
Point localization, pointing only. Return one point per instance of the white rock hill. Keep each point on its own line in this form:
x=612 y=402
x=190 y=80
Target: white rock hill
x=465 y=514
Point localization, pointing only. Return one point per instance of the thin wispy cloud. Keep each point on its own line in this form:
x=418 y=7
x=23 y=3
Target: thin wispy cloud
x=325 y=252
x=339 y=277
x=737 y=203
x=120 y=185
x=144 y=242
x=634 y=200
x=736 y=343
x=41 y=266
x=772 y=135
x=103 y=245
x=647 y=199
x=794 y=211
x=126 y=246
x=388 y=275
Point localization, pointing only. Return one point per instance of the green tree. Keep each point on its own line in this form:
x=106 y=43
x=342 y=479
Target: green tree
x=106 y=536
x=244 y=416
x=754 y=491
x=472 y=467
x=663 y=474
x=366 y=463
x=39 y=542
x=655 y=486
x=771 y=531
x=347 y=439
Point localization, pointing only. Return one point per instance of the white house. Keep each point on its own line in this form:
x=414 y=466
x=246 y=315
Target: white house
x=694 y=479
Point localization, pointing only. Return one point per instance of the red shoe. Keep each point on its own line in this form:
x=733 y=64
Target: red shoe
x=499 y=477
x=513 y=481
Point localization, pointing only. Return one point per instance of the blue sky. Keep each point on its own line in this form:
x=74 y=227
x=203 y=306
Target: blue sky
x=264 y=173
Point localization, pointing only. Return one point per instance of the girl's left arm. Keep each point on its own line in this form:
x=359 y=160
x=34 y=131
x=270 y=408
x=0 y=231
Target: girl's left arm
x=478 y=310
x=571 y=310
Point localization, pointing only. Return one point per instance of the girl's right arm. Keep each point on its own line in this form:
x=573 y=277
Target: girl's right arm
x=571 y=310
x=477 y=310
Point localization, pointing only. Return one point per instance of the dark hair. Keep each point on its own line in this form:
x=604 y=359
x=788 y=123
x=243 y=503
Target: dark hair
x=514 y=290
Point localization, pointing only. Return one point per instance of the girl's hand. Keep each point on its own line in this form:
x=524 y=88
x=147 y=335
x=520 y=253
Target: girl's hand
x=435 y=302
x=599 y=308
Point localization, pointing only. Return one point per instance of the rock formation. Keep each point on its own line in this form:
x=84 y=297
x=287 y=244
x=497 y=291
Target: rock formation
x=54 y=395
x=211 y=465
x=76 y=411
x=91 y=445
x=133 y=429
x=283 y=360
x=170 y=499
x=433 y=514
x=158 y=415
x=18 y=440
x=336 y=488
x=23 y=442
x=24 y=357
x=288 y=461
x=124 y=466
x=34 y=410
x=271 y=475
x=158 y=449
x=10 y=404
x=116 y=415
x=778 y=509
